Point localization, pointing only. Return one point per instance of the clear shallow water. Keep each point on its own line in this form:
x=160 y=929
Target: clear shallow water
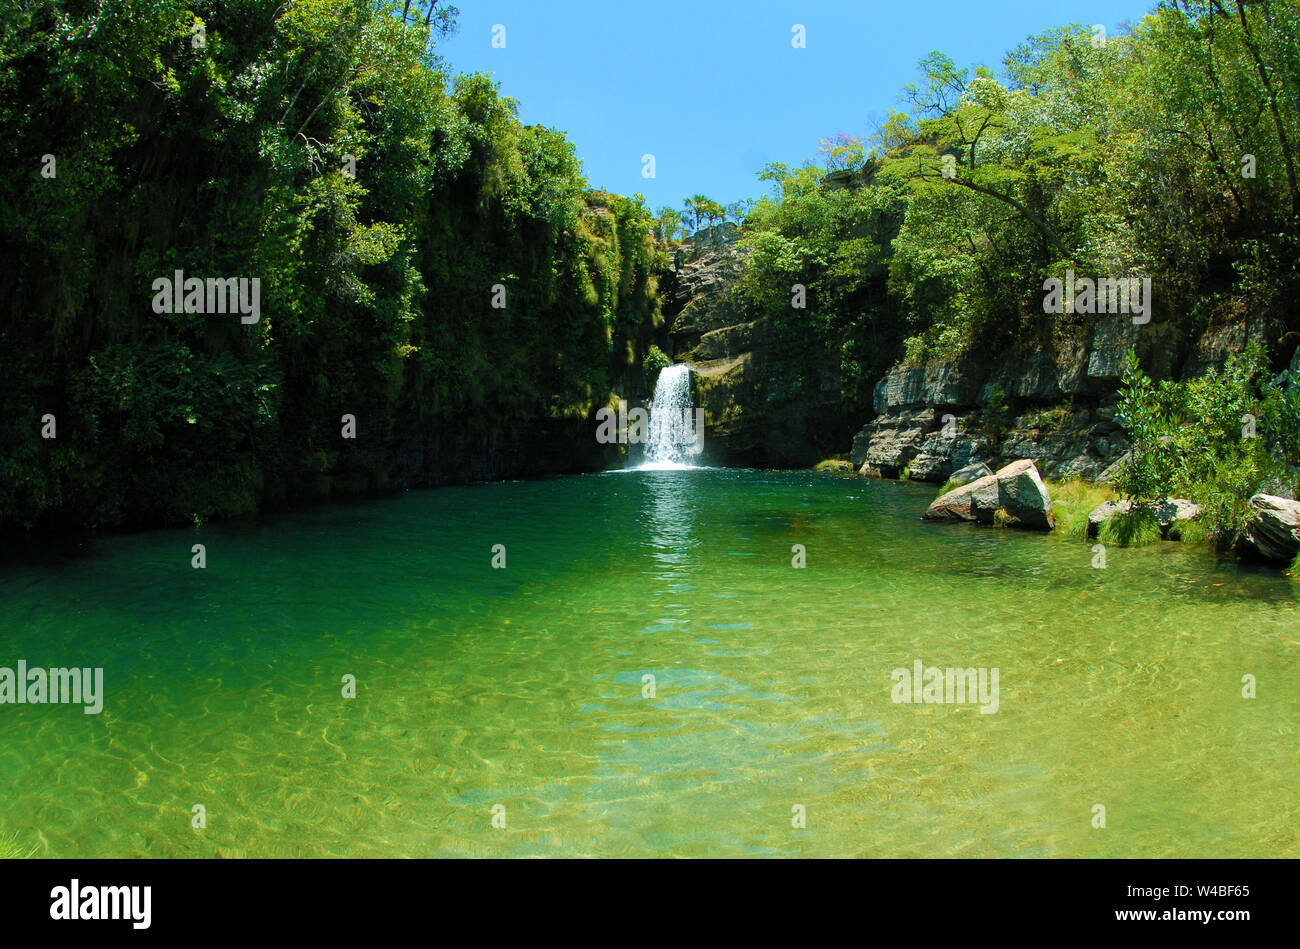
x=523 y=686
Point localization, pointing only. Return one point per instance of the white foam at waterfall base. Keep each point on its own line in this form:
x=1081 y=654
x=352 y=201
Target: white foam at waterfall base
x=671 y=444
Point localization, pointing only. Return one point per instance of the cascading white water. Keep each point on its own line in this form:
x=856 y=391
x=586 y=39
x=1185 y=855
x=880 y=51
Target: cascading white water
x=673 y=440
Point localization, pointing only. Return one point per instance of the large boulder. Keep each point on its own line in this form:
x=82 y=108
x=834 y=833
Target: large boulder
x=958 y=505
x=984 y=499
x=1023 y=496
x=1274 y=530
x=1016 y=490
x=1174 y=511
x=1104 y=512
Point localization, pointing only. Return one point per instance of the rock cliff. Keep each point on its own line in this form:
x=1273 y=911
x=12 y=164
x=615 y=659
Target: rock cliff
x=1052 y=400
x=1054 y=404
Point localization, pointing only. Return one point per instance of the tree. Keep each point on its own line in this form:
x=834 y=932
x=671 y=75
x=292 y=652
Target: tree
x=955 y=111
x=689 y=213
x=843 y=152
x=441 y=19
x=668 y=221
x=705 y=210
x=738 y=210
x=319 y=151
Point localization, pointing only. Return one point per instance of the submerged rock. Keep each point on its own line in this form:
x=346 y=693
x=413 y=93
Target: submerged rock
x=837 y=465
x=1016 y=490
x=1274 y=531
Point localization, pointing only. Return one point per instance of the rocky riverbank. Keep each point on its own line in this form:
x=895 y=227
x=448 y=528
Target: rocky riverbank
x=1017 y=496
x=1053 y=400
x=1054 y=404
x=1000 y=425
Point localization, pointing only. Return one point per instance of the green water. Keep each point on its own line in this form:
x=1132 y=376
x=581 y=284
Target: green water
x=523 y=686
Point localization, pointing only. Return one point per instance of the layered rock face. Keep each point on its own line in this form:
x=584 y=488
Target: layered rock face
x=1050 y=400
x=1060 y=403
x=707 y=331
x=936 y=419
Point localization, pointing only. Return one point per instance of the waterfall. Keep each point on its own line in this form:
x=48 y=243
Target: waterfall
x=673 y=440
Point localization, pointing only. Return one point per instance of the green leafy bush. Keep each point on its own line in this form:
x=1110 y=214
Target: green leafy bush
x=1216 y=440
x=655 y=362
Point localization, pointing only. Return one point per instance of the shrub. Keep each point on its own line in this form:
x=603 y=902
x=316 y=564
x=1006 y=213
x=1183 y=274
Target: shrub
x=1215 y=440
x=995 y=417
x=1049 y=420
x=655 y=362
x=949 y=485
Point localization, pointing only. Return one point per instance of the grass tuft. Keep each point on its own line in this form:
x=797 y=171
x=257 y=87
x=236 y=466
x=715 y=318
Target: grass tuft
x=1196 y=531
x=1073 y=501
x=1137 y=528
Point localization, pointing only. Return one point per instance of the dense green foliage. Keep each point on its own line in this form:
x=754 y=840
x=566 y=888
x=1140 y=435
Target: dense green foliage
x=319 y=147
x=442 y=274
x=1215 y=440
x=836 y=244
x=1166 y=153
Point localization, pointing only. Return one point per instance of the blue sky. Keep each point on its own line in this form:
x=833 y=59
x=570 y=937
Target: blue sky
x=714 y=89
